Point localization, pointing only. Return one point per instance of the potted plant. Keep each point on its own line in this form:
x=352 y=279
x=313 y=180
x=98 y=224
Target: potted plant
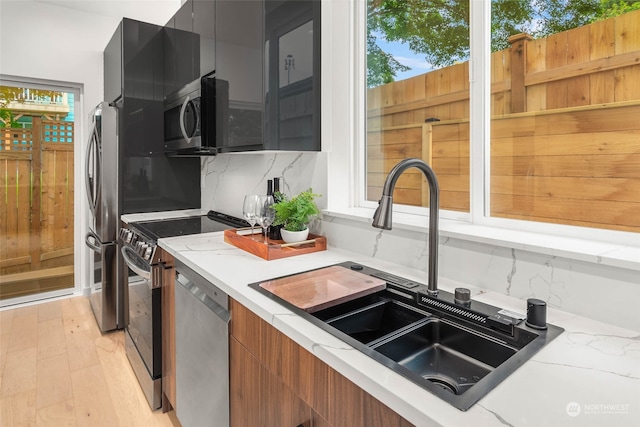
x=294 y=214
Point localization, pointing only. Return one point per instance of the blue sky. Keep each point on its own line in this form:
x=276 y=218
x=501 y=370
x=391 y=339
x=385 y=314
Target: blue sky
x=405 y=56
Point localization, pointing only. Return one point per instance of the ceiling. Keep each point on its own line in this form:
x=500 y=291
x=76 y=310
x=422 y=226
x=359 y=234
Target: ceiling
x=152 y=11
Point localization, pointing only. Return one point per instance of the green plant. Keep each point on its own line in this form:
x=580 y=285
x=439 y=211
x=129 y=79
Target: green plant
x=295 y=213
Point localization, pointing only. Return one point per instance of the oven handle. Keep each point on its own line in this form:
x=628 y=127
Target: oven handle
x=145 y=274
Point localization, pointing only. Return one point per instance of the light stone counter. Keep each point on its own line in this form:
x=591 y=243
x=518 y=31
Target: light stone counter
x=588 y=376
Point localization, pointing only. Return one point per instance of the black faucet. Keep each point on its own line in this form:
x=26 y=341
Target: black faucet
x=382 y=216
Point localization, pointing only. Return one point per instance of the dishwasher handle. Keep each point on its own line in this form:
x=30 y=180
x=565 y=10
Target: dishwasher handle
x=203 y=293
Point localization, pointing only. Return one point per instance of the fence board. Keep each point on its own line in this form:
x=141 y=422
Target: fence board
x=602 y=39
x=627 y=83
x=627 y=28
x=13 y=225
x=605 y=214
x=579 y=165
x=610 y=189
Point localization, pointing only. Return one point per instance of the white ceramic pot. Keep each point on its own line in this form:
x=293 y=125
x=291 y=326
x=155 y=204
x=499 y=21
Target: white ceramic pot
x=294 y=236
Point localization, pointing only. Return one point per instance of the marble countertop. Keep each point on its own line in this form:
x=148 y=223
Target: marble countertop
x=588 y=376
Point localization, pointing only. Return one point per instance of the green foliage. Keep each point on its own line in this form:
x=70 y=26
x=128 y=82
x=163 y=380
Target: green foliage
x=7 y=120
x=439 y=29
x=613 y=8
x=295 y=213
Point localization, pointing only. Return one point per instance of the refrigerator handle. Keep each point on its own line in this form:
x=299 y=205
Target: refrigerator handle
x=93 y=145
x=93 y=241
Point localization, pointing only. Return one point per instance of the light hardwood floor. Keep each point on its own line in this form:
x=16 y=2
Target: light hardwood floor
x=57 y=369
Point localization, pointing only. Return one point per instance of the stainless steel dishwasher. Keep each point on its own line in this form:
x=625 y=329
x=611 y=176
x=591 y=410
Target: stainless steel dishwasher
x=202 y=350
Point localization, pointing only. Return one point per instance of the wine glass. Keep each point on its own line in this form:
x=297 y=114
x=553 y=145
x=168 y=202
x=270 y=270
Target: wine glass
x=249 y=209
x=265 y=213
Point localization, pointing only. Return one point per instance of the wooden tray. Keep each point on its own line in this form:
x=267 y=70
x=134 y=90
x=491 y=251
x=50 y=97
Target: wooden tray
x=273 y=249
x=318 y=289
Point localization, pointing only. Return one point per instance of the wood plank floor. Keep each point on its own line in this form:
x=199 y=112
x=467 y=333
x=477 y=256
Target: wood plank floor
x=57 y=369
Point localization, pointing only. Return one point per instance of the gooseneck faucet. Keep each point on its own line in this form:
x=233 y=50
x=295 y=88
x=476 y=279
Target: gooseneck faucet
x=382 y=216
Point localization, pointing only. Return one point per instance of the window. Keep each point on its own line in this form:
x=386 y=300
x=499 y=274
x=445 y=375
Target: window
x=417 y=76
x=561 y=101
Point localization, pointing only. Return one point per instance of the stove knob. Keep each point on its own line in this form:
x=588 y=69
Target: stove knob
x=148 y=253
x=142 y=247
x=125 y=235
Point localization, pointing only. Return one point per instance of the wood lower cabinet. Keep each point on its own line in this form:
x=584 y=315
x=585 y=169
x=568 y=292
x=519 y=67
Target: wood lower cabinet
x=167 y=294
x=276 y=382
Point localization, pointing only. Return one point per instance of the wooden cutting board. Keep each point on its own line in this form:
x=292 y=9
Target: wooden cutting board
x=315 y=290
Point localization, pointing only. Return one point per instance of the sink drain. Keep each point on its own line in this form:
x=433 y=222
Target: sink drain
x=443 y=384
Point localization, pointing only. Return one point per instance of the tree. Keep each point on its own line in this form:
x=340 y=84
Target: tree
x=439 y=29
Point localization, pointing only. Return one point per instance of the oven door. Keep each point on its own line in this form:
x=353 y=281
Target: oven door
x=145 y=325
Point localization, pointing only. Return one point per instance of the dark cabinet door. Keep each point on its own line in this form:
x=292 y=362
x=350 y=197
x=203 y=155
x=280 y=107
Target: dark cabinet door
x=133 y=77
x=113 y=82
x=204 y=25
x=239 y=62
x=181 y=50
x=292 y=60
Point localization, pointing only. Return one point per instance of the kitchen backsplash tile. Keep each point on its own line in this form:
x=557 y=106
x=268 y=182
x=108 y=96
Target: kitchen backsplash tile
x=226 y=178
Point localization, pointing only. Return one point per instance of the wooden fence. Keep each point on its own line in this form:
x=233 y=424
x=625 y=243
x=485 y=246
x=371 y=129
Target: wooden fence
x=36 y=208
x=568 y=102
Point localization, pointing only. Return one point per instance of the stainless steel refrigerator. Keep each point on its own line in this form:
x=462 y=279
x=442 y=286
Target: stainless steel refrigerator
x=102 y=184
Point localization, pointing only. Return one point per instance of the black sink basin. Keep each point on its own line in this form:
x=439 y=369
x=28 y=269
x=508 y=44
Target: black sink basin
x=457 y=352
x=375 y=321
x=449 y=356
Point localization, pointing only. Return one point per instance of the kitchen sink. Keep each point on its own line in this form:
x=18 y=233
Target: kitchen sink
x=452 y=357
x=375 y=321
x=457 y=352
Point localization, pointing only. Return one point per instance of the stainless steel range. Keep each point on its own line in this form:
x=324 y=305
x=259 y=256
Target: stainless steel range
x=143 y=256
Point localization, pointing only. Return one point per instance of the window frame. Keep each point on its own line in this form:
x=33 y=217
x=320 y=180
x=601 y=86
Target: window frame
x=480 y=155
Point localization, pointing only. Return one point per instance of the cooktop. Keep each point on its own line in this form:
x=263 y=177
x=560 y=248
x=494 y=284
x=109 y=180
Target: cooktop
x=213 y=221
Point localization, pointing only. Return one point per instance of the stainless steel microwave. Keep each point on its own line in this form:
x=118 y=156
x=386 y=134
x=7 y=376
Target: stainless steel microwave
x=192 y=117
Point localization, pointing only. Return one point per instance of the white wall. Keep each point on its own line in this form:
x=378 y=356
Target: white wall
x=40 y=41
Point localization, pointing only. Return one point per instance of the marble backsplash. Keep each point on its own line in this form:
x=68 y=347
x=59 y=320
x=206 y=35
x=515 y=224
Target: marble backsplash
x=599 y=292
x=226 y=178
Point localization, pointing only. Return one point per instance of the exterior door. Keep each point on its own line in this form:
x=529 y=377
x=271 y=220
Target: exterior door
x=36 y=193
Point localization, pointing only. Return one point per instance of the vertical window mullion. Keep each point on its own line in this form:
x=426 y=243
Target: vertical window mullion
x=480 y=108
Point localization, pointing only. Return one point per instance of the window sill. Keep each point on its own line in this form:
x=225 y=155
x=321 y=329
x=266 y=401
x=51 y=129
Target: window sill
x=587 y=250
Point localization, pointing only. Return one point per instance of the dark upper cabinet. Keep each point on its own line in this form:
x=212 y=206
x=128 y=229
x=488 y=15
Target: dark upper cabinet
x=292 y=75
x=181 y=63
x=266 y=57
x=113 y=81
x=133 y=80
x=132 y=60
x=238 y=58
x=204 y=25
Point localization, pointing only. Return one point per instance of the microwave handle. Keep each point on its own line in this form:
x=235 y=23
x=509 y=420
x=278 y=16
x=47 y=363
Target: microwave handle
x=182 y=129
